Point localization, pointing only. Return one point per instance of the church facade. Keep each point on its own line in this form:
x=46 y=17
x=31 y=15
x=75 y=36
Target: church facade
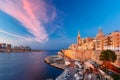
x=90 y=48
x=100 y=42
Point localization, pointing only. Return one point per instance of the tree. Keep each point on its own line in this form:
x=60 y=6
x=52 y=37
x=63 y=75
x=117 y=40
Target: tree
x=108 y=55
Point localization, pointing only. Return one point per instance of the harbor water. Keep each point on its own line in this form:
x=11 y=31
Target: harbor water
x=27 y=66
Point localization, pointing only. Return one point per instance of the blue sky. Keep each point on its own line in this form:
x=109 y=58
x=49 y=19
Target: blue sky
x=53 y=24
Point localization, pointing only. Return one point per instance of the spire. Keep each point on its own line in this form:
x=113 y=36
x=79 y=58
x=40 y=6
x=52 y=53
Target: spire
x=78 y=33
x=78 y=38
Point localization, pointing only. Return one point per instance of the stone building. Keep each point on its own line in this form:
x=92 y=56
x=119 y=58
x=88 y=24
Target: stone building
x=112 y=41
x=99 y=40
x=90 y=48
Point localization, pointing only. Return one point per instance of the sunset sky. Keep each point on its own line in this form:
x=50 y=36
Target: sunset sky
x=53 y=24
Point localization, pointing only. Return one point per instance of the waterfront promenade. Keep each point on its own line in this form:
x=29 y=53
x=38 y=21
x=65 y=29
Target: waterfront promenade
x=50 y=60
x=73 y=72
x=67 y=70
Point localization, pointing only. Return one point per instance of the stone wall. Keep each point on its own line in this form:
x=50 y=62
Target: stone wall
x=89 y=54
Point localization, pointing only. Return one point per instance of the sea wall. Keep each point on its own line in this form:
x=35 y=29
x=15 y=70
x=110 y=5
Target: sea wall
x=89 y=54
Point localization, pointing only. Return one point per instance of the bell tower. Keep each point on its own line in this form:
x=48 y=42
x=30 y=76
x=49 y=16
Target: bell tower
x=78 y=39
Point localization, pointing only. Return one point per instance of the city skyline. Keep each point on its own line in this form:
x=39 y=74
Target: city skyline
x=53 y=24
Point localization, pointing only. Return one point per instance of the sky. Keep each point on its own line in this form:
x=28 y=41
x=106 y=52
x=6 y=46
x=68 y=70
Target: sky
x=54 y=24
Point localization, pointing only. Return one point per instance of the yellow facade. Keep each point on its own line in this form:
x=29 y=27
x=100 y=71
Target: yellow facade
x=112 y=41
x=87 y=48
x=100 y=42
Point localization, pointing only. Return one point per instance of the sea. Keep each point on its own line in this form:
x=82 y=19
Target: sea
x=27 y=66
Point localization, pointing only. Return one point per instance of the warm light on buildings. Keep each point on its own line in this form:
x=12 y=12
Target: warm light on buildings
x=100 y=42
x=90 y=48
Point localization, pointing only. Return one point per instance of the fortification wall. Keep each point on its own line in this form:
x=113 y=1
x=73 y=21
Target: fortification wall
x=89 y=54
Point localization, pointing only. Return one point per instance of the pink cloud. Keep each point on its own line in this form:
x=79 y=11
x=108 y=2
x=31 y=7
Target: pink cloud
x=32 y=14
x=17 y=36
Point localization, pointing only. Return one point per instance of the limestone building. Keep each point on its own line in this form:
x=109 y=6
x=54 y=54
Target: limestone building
x=90 y=48
x=112 y=41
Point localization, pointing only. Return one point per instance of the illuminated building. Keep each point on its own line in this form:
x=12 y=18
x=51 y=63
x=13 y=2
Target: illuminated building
x=90 y=48
x=100 y=42
x=99 y=39
x=112 y=41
